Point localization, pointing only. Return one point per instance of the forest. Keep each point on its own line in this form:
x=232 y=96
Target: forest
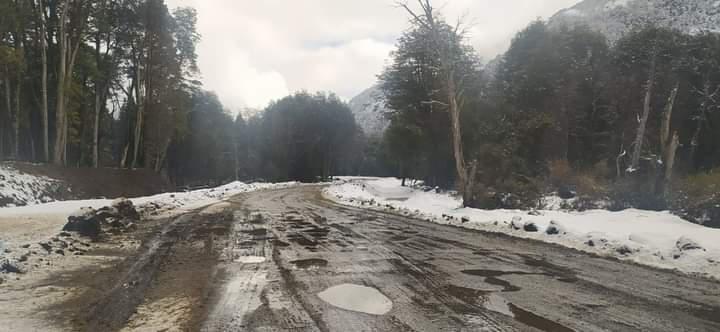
x=624 y=124
x=615 y=125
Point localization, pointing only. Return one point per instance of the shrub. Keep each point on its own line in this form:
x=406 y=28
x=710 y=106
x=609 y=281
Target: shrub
x=588 y=186
x=697 y=198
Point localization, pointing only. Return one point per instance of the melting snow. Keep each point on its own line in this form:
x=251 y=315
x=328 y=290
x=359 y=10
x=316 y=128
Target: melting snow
x=646 y=237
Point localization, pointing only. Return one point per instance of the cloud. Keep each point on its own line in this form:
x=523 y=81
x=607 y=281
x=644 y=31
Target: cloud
x=256 y=51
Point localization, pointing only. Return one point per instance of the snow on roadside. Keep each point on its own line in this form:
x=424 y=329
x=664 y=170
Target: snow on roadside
x=657 y=239
x=19 y=189
x=32 y=224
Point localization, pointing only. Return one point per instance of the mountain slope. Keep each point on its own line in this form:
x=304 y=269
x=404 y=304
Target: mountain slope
x=615 y=17
x=369 y=110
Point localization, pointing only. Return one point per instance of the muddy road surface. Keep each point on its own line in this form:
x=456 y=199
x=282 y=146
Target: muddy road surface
x=288 y=260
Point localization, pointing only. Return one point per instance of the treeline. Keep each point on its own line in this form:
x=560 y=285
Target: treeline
x=632 y=123
x=303 y=137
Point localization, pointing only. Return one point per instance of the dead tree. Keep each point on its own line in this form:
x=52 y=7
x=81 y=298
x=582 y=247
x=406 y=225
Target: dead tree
x=443 y=46
x=668 y=143
x=643 y=119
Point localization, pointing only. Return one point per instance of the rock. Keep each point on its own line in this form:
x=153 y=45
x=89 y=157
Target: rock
x=687 y=244
x=464 y=219
x=624 y=250
x=107 y=213
x=126 y=208
x=8 y=267
x=46 y=246
x=60 y=252
x=566 y=193
x=554 y=229
x=534 y=213
x=85 y=222
x=530 y=227
x=131 y=227
x=517 y=223
x=65 y=234
x=25 y=246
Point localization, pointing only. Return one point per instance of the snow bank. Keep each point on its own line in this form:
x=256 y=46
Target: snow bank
x=37 y=223
x=19 y=189
x=658 y=239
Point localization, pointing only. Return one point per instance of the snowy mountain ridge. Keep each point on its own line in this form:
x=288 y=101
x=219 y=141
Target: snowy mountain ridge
x=369 y=110
x=615 y=17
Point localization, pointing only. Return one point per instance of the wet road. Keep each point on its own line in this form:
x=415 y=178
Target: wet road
x=439 y=278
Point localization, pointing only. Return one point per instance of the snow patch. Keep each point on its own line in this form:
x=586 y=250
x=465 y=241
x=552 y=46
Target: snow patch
x=20 y=189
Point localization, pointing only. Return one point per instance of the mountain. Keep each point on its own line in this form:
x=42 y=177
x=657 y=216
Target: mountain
x=369 y=110
x=615 y=17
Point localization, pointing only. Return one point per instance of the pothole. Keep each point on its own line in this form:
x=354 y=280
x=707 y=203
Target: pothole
x=357 y=298
x=309 y=264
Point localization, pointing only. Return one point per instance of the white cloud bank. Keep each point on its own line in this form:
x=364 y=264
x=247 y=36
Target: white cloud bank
x=255 y=51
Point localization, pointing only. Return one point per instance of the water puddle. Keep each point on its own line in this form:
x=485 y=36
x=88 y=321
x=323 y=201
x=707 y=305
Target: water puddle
x=357 y=298
x=496 y=303
x=538 y=322
x=310 y=264
x=301 y=240
x=250 y=259
x=491 y=277
x=282 y=244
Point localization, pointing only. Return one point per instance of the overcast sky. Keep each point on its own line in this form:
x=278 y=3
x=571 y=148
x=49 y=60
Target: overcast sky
x=254 y=51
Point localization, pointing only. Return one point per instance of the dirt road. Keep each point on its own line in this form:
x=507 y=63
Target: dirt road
x=287 y=260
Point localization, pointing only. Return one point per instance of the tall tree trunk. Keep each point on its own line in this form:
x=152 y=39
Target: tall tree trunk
x=638 y=144
x=60 y=116
x=139 y=117
x=465 y=186
x=44 y=82
x=66 y=63
x=8 y=103
x=98 y=105
x=16 y=117
x=668 y=144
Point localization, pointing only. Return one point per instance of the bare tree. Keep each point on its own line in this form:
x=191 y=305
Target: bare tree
x=668 y=144
x=643 y=119
x=442 y=44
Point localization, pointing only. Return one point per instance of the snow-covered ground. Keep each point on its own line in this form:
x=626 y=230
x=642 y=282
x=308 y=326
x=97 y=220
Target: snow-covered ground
x=37 y=223
x=657 y=239
x=18 y=189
